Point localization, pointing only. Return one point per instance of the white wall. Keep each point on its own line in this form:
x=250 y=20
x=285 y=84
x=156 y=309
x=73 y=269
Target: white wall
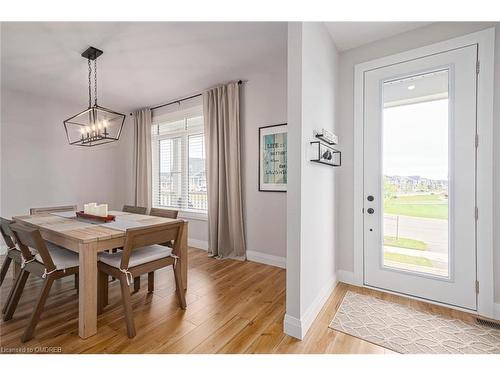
x=263 y=102
x=39 y=168
x=403 y=42
x=312 y=104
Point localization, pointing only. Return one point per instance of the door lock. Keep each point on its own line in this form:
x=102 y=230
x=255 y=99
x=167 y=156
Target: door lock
x=370 y=210
x=370 y=198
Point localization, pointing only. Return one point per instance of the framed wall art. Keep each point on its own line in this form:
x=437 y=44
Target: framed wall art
x=273 y=158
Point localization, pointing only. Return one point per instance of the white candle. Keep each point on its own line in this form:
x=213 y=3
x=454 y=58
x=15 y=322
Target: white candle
x=90 y=208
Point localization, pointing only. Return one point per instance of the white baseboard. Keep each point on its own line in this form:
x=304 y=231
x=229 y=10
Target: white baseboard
x=199 y=244
x=292 y=326
x=298 y=327
x=264 y=258
x=348 y=277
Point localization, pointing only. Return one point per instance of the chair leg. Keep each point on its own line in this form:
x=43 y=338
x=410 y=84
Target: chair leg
x=37 y=312
x=11 y=293
x=102 y=291
x=137 y=284
x=16 y=269
x=5 y=268
x=127 y=306
x=151 y=281
x=76 y=282
x=16 y=295
x=113 y=251
x=179 y=289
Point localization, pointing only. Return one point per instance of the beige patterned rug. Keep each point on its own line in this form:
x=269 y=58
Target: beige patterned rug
x=407 y=330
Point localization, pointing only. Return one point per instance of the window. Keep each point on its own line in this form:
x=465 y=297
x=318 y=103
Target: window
x=178 y=152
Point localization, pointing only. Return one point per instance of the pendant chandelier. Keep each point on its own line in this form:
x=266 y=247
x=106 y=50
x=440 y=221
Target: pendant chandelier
x=95 y=125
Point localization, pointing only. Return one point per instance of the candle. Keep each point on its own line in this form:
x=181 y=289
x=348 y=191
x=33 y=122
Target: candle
x=89 y=208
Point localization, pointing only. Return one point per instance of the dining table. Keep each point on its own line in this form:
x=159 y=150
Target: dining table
x=89 y=238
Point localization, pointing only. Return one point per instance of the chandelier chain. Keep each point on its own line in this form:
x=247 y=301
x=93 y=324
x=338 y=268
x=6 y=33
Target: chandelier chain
x=90 y=84
x=95 y=82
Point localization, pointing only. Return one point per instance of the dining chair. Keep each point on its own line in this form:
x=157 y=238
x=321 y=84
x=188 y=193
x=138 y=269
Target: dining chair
x=135 y=209
x=141 y=254
x=162 y=212
x=50 y=263
x=48 y=210
x=13 y=253
x=43 y=210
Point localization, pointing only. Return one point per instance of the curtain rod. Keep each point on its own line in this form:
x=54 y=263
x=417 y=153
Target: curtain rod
x=183 y=99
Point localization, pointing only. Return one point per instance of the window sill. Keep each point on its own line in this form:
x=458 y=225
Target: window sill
x=193 y=215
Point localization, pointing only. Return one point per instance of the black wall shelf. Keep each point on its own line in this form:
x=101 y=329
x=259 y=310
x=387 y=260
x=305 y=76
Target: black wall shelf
x=325 y=154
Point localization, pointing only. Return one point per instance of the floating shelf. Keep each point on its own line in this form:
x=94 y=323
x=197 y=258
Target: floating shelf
x=322 y=137
x=325 y=154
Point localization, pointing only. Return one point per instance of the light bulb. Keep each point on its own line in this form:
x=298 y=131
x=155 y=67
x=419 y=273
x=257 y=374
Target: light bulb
x=99 y=126
x=93 y=127
x=105 y=123
x=87 y=129
x=82 y=130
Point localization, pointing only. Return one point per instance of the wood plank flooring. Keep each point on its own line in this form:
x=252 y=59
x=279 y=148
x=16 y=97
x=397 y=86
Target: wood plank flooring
x=233 y=307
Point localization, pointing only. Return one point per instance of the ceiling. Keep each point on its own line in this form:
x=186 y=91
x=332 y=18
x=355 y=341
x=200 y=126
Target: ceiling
x=144 y=63
x=348 y=35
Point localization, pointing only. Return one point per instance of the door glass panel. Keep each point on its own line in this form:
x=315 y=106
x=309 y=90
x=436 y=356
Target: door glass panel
x=415 y=173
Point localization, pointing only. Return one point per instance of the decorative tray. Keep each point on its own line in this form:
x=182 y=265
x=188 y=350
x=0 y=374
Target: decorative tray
x=105 y=219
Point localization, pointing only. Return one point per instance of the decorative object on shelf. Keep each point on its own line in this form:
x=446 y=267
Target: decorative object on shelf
x=273 y=158
x=325 y=154
x=95 y=125
x=327 y=136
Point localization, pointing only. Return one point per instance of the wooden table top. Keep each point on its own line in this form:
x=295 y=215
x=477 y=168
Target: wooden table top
x=82 y=231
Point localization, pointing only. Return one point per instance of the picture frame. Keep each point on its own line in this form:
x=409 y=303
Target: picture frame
x=273 y=158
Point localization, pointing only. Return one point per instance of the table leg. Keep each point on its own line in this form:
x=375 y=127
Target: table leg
x=87 y=294
x=184 y=255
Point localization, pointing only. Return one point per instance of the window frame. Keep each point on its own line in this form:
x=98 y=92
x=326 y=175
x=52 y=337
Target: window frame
x=184 y=134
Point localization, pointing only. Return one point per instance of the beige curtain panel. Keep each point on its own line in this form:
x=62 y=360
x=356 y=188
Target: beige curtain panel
x=221 y=111
x=142 y=157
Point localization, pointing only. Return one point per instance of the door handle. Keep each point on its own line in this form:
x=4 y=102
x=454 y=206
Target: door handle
x=370 y=210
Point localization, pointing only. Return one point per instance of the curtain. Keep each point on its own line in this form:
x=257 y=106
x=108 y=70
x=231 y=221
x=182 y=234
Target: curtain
x=221 y=112
x=142 y=157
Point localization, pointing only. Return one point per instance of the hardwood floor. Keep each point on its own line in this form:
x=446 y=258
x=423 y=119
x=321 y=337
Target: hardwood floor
x=233 y=307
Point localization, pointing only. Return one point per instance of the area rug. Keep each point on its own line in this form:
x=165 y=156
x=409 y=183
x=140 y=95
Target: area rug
x=410 y=331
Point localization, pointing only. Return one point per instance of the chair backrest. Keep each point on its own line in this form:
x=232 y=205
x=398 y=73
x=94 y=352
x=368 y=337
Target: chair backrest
x=171 y=214
x=7 y=233
x=43 y=210
x=27 y=237
x=151 y=235
x=135 y=209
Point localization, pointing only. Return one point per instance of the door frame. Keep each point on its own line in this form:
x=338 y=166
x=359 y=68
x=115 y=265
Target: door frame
x=485 y=39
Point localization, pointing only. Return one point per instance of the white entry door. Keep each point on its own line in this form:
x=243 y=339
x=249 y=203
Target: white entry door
x=420 y=179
